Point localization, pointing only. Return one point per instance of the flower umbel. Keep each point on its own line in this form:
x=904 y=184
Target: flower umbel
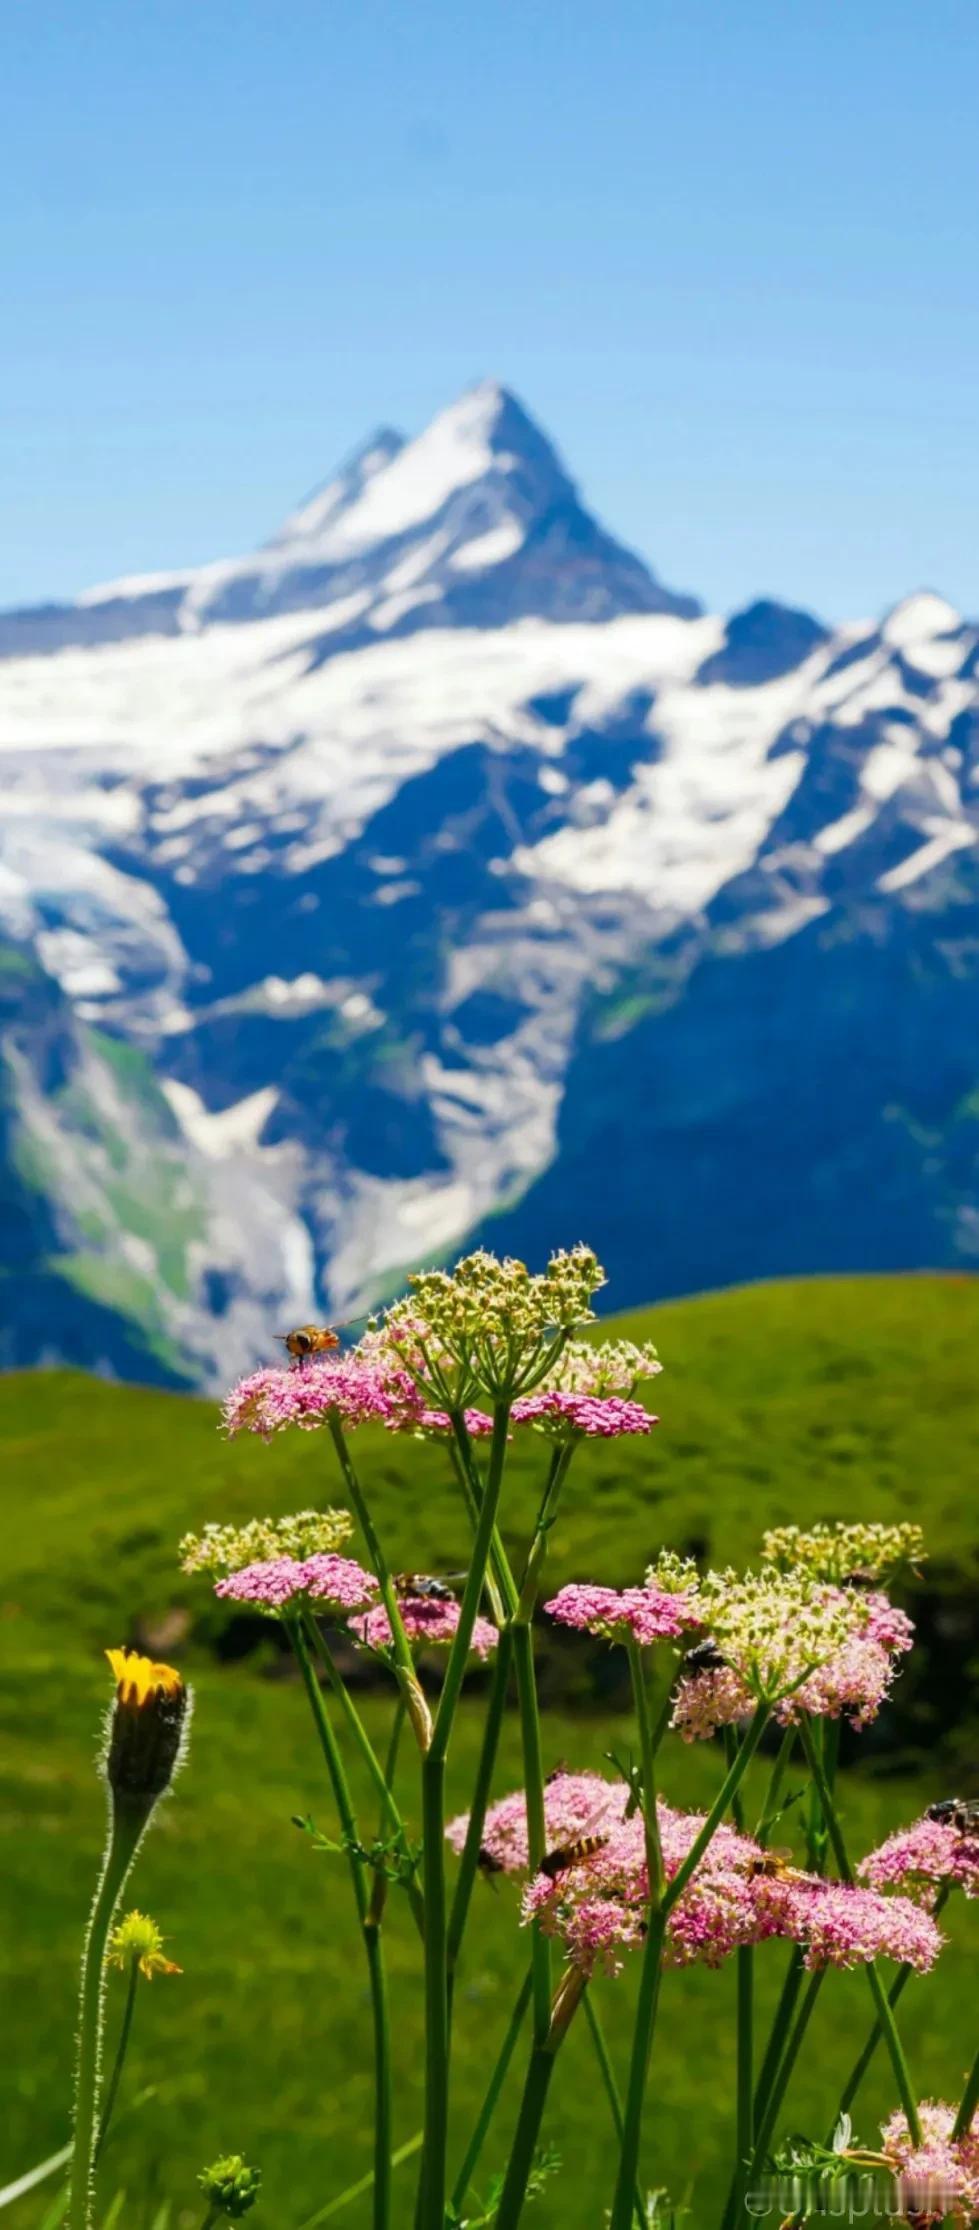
x=427 y=1621
x=918 y=1858
x=844 y=1552
x=146 y=1727
x=306 y=1395
x=650 y=1614
x=332 y=1585
x=573 y=1416
x=940 y=2177
x=221 y=1549
x=487 y=1328
x=137 y=1937
x=230 y=2186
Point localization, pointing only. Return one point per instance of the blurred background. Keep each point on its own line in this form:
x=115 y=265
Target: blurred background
x=489 y=740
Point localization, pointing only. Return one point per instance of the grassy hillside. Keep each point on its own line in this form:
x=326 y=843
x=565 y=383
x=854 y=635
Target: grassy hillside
x=784 y=1402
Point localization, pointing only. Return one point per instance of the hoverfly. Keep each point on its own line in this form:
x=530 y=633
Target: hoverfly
x=774 y=1866
x=307 y=1340
x=566 y=1855
x=957 y=1811
x=422 y=1583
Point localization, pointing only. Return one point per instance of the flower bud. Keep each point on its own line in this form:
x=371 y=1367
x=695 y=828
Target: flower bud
x=230 y=2185
x=146 y=1728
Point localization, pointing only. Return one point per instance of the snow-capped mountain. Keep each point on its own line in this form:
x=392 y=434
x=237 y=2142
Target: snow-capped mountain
x=436 y=865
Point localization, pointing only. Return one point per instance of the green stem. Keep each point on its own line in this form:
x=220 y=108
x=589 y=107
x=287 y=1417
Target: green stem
x=533 y=1768
x=211 y=2217
x=652 y=1960
x=524 y=2146
x=381 y=1779
x=646 y=2005
x=432 y=2208
x=895 y=1993
x=878 y=1993
x=781 y=2024
x=121 y=2049
x=469 y=1863
x=969 y=2101
x=721 y=1804
x=404 y=1662
x=773 y=1793
x=368 y=1914
x=786 y=2065
x=611 y=2090
x=431 y=2215
x=126 y=1825
x=654 y=1854
x=494 y=2087
x=746 y=2048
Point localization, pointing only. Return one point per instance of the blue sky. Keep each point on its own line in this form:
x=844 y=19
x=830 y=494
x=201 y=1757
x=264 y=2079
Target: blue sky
x=724 y=250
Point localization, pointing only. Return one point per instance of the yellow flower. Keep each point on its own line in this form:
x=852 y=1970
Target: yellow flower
x=137 y=1937
x=139 y=1680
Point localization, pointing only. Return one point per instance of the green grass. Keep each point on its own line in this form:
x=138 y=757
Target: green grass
x=782 y=1402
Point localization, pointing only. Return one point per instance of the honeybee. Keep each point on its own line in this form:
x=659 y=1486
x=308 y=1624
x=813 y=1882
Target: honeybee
x=421 y=1583
x=558 y=1861
x=773 y=1866
x=308 y=1340
x=957 y=1811
x=706 y=1657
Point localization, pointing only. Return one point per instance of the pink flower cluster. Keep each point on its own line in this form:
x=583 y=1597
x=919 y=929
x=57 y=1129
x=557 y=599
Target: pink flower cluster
x=335 y=1584
x=574 y=1804
x=917 y=1858
x=438 y=1421
x=305 y=1395
x=563 y=1415
x=939 y=2178
x=424 y=1620
x=853 y=1682
x=598 y=1904
x=651 y=1614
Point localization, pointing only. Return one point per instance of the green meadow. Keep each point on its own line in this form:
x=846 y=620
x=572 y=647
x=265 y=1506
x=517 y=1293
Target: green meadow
x=815 y=1399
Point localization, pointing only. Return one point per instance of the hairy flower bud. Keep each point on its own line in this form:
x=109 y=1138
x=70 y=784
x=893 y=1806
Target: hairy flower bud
x=146 y=1728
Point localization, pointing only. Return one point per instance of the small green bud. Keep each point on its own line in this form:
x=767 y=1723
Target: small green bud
x=231 y=2185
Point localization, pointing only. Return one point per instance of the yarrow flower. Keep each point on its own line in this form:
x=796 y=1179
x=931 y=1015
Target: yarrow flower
x=649 y=1614
x=307 y=1395
x=843 y=1552
x=487 y=1328
x=426 y=1620
x=939 y=2178
x=333 y=1585
x=137 y=1939
x=221 y=1549
x=570 y=1416
x=919 y=1858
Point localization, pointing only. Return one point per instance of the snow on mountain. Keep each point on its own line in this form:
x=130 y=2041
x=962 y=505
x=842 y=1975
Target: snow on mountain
x=373 y=845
